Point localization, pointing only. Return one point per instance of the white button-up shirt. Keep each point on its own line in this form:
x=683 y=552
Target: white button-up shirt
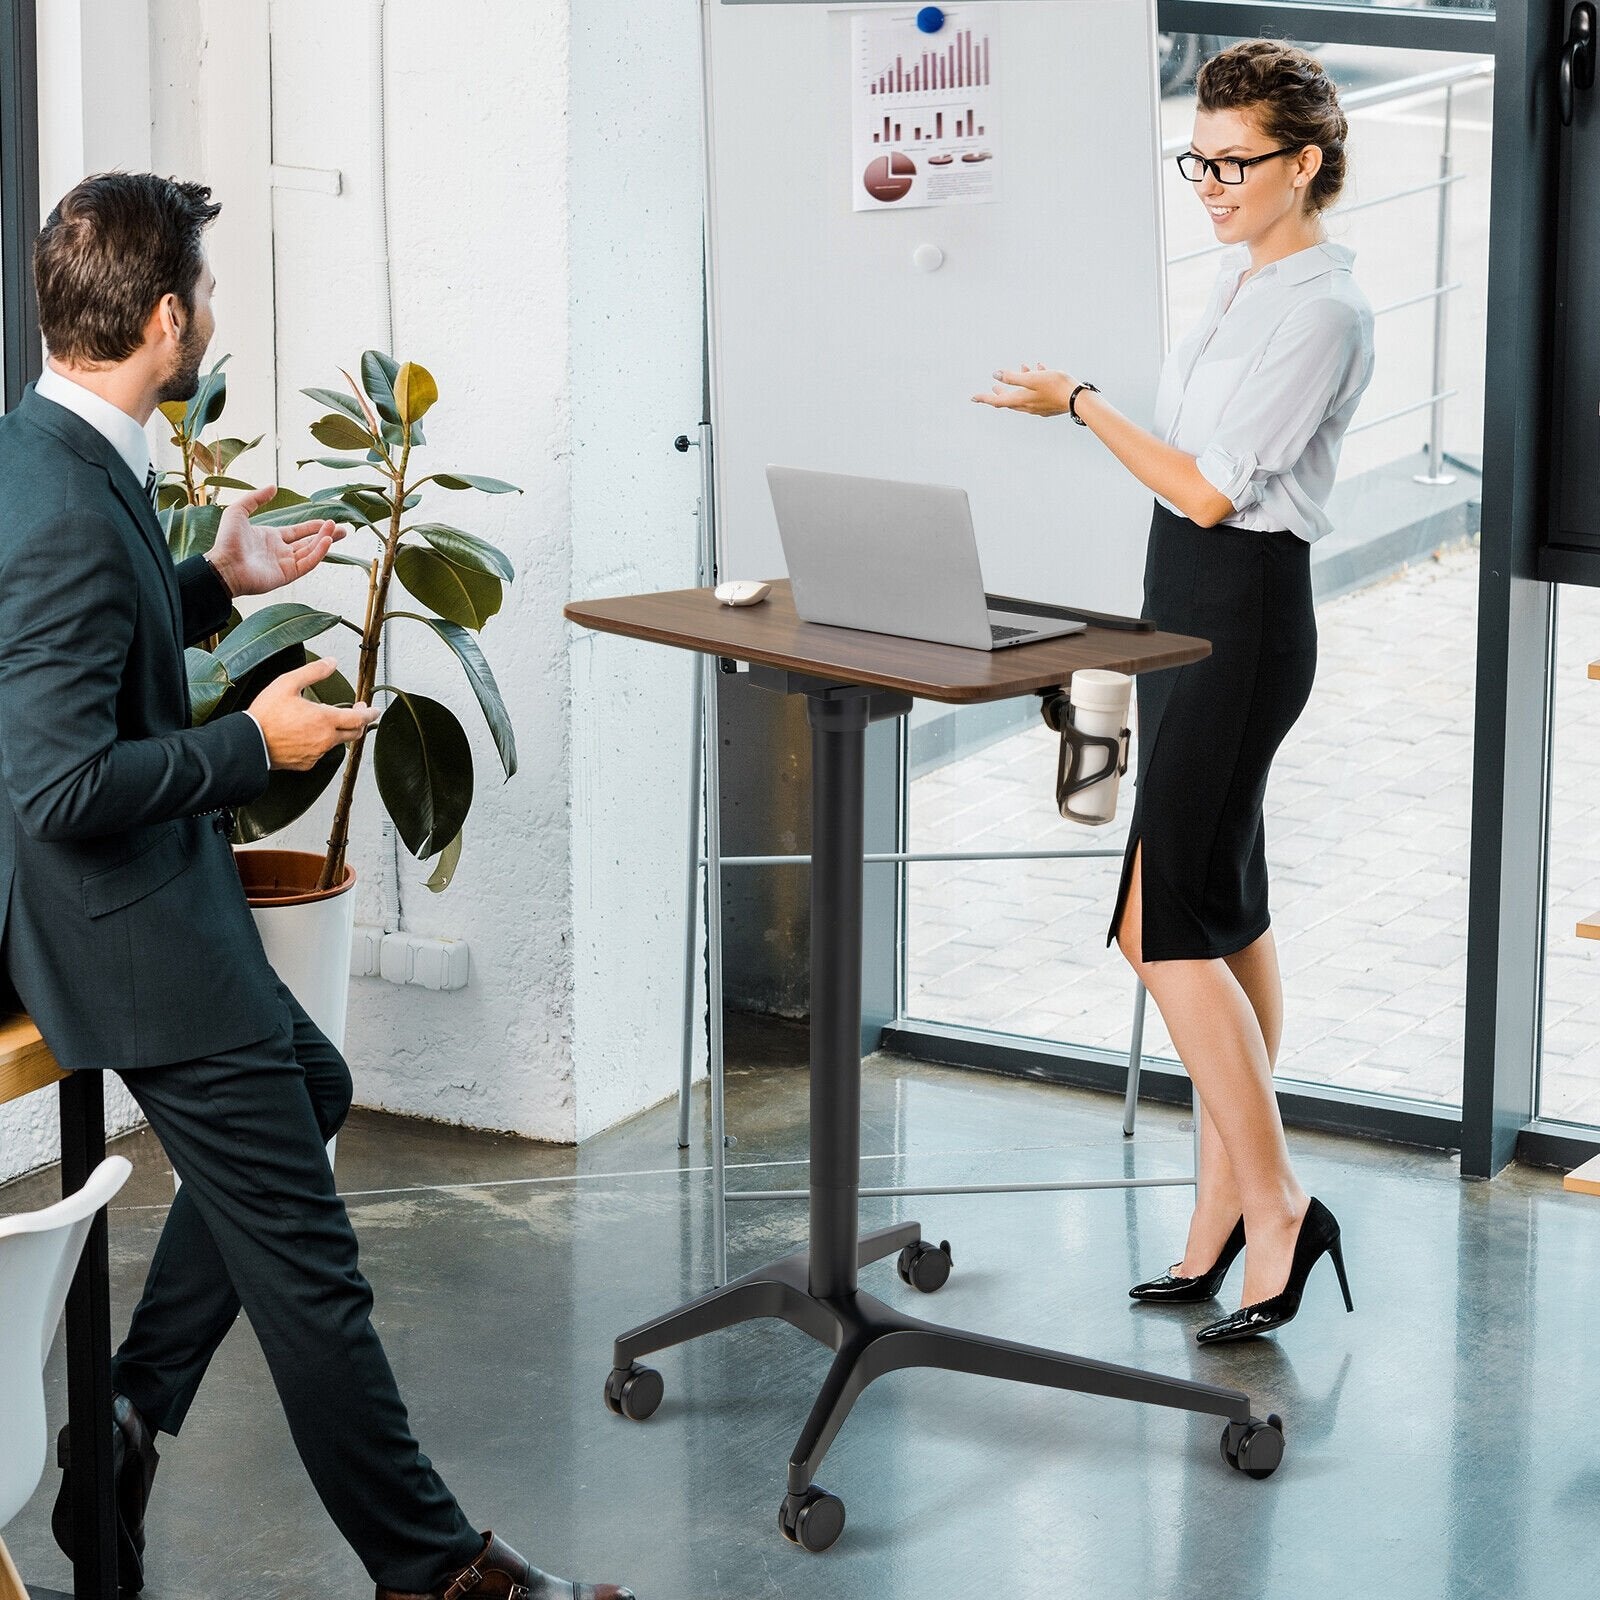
x=1261 y=392
x=113 y=424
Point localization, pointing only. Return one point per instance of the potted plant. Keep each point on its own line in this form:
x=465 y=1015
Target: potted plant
x=422 y=759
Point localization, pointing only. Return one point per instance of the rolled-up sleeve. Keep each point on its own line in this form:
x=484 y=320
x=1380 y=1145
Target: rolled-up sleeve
x=1309 y=368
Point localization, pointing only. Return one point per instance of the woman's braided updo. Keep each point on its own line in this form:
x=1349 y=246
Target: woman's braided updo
x=1289 y=96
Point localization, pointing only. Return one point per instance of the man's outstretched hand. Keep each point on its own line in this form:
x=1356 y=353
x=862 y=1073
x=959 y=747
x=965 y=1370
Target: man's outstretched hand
x=252 y=560
x=298 y=731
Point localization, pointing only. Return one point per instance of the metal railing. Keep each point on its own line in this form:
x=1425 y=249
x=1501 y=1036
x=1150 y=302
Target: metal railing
x=1448 y=79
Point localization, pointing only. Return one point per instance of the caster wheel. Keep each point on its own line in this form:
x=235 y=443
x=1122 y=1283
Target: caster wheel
x=1254 y=1448
x=813 y=1520
x=634 y=1392
x=926 y=1266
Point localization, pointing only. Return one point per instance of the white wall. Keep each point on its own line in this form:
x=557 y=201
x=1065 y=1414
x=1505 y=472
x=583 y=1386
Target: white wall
x=478 y=234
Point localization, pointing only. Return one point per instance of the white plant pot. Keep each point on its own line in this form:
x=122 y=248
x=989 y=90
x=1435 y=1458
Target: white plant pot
x=308 y=945
x=306 y=934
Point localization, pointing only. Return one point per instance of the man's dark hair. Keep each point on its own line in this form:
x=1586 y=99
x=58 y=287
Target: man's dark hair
x=108 y=253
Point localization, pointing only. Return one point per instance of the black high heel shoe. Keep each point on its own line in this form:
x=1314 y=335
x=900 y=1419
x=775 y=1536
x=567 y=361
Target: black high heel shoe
x=1169 y=1290
x=1318 y=1236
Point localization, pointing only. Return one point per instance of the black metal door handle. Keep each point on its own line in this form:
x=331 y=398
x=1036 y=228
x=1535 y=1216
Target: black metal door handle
x=1577 y=59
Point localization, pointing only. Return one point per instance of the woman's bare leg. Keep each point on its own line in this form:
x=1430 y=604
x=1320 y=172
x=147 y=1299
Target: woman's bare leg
x=1221 y=1031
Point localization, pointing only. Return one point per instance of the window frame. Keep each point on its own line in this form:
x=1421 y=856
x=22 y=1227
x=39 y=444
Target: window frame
x=19 y=195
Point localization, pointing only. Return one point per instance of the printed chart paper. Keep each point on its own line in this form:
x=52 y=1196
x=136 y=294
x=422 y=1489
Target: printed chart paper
x=924 y=110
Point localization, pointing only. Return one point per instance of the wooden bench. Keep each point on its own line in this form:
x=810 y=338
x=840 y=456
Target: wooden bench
x=25 y=1060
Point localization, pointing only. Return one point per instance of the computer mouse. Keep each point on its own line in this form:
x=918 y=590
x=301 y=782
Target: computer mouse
x=742 y=592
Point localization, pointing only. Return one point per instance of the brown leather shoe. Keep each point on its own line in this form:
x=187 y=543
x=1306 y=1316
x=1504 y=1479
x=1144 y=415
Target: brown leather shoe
x=500 y=1573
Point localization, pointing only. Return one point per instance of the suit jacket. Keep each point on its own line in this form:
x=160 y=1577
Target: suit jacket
x=125 y=929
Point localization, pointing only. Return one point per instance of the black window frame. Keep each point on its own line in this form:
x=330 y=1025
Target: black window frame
x=19 y=195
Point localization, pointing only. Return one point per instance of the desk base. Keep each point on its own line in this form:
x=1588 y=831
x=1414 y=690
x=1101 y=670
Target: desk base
x=870 y=1339
x=815 y=1290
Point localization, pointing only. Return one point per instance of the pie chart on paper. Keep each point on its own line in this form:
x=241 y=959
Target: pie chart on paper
x=889 y=177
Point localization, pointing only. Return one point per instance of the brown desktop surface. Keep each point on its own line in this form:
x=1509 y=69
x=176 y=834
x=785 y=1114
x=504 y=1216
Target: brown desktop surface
x=771 y=633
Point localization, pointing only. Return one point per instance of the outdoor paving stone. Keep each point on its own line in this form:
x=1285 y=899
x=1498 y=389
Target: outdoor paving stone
x=1367 y=839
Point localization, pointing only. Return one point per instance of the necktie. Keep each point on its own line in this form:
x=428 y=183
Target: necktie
x=150 y=485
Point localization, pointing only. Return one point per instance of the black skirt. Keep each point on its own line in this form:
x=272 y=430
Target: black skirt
x=1208 y=731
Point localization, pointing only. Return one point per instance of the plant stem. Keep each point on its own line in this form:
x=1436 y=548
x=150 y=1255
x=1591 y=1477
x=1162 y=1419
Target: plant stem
x=378 y=580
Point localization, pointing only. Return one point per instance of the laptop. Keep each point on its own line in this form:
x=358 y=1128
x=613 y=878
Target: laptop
x=898 y=558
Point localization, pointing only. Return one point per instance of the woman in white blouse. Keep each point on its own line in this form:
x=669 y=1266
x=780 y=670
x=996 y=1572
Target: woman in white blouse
x=1250 y=414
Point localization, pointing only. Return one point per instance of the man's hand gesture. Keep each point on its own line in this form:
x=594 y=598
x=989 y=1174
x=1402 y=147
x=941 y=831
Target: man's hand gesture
x=252 y=560
x=299 y=731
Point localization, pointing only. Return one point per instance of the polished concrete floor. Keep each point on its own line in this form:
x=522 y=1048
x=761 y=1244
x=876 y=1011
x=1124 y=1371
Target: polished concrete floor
x=1441 y=1441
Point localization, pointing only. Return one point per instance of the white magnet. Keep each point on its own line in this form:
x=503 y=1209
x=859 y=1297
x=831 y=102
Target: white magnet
x=927 y=258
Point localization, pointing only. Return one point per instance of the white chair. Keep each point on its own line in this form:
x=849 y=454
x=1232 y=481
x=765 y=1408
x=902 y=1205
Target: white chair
x=39 y=1253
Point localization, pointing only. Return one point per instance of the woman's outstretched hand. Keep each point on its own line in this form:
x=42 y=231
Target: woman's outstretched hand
x=1037 y=390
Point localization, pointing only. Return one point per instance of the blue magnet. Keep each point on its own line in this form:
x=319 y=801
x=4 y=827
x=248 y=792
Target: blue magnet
x=930 y=19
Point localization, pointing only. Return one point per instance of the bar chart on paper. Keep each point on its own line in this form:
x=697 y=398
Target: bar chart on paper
x=924 y=110
x=964 y=64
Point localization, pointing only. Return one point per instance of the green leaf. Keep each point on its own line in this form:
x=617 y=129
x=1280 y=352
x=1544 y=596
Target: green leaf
x=423 y=764
x=378 y=373
x=464 y=596
x=287 y=798
x=209 y=399
x=217 y=481
x=333 y=559
x=471 y=657
x=284 y=497
x=414 y=392
x=338 y=463
x=208 y=682
x=465 y=549
x=297 y=511
x=338 y=432
x=170 y=495
x=449 y=860
x=174 y=411
x=469 y=480
x=269 y=630
x=372 y=503
x=346 y=403
x=394 y=435
x=227 y=451
x=191 y=530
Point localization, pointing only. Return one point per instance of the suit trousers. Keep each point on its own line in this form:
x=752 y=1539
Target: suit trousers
x=258 y=1224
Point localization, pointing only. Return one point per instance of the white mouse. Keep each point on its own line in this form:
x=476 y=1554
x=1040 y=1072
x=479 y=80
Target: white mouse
x=742 y=592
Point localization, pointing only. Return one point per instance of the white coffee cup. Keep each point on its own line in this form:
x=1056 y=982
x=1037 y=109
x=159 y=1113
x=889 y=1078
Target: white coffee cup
x=1098 y=705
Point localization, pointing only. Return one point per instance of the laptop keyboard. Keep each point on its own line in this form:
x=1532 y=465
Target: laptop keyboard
x=997 y=632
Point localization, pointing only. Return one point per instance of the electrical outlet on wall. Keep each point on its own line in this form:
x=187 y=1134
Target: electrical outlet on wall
x=431 y=963
x=410 y=958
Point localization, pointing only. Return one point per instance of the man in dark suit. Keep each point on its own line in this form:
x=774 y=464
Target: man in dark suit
x=125 y=929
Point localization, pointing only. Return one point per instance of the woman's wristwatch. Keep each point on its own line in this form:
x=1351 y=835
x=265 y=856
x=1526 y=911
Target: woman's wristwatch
x=1072 y=402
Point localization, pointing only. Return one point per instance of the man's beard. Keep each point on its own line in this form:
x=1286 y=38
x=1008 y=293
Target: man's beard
x=183 y=380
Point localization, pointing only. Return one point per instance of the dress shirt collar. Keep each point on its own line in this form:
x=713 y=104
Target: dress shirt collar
x=1300 y=267
x=124 y=435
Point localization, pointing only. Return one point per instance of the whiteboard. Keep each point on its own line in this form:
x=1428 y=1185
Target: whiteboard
x=830 y=349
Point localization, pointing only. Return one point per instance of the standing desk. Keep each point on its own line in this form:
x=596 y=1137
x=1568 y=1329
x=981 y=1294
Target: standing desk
x=850 y=679
x=26 y=1065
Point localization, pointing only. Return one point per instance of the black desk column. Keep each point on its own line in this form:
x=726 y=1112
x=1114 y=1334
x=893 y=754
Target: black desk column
x=838 y=777
x=94 y=1534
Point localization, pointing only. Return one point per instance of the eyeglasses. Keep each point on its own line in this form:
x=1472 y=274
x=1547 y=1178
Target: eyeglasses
x=1230 y=169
